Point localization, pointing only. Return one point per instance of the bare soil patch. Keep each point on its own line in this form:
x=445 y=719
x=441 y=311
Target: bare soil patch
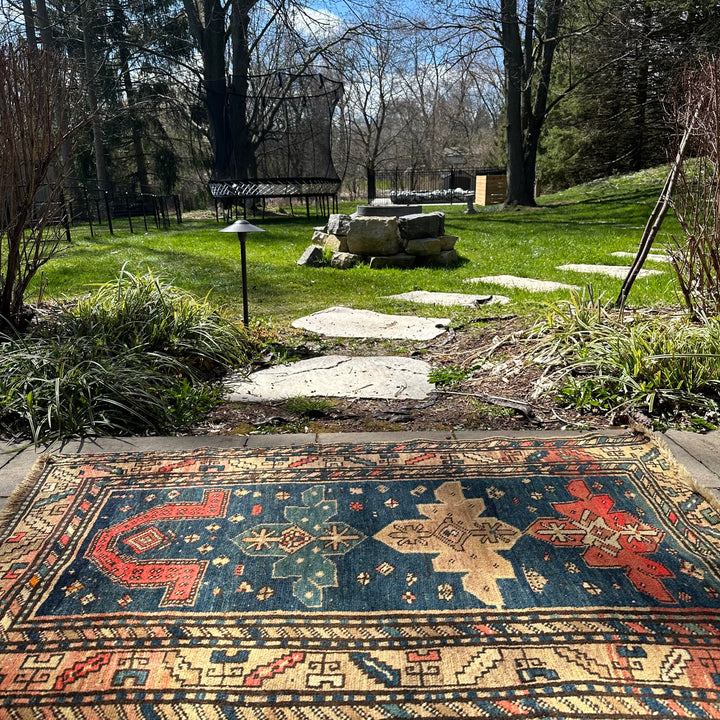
x=502 y=389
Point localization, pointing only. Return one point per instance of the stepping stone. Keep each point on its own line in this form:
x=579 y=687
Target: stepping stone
x=651 y=256
x=523 y=283
x=389 y=378
x=618 y=271
x=439 y=298
x=348 y=322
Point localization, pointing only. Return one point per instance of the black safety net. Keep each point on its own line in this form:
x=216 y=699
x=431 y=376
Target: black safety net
x=278 y=137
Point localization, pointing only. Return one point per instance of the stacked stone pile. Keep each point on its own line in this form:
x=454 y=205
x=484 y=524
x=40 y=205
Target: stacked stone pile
x=398 y=242
x=431 y=196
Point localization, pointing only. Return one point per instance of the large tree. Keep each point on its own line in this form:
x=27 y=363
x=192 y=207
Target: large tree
x=217 y=30
x=524 y=36
x=528 y=48
x=371 y=67
x=245 y=41
x=134 y=58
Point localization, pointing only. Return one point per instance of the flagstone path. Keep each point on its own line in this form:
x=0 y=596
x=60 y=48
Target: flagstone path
x=394 y=377
x=654 y=257
x=523 y=283
x=617 y=271
x=449 y=299
x=375 y=377
x=347 y=322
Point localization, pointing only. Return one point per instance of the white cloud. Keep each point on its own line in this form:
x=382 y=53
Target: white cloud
x=317 y=23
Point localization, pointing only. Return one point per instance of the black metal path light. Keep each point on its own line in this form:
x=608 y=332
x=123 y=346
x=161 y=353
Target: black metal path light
x=242 y=228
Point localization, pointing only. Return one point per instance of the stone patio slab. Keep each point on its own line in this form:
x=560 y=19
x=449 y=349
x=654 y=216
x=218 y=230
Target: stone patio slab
x=375 y=377
x=523 y=283
x=618 y=271
x=655 y=257
x=448 y=299
x=348 y=322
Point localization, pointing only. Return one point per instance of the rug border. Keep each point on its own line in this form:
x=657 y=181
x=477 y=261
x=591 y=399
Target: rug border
x=21 y=493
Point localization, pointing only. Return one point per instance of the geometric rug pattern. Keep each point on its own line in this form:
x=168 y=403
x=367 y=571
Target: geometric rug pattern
x=539 y=578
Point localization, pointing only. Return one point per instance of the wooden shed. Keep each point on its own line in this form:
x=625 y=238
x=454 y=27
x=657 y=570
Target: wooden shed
x=490 y=189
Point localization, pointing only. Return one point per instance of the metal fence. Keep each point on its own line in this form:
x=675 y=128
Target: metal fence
x=113 y=206
x=451 y=185
x=108 y=208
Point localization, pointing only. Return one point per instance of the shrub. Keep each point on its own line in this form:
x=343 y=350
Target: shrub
x=603 y=360
x=696 y=255
x=146 y=313
x=136 y=356
x=36 y=88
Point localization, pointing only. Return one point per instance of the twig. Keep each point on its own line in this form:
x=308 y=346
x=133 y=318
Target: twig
x=525 y=408
x=487 y=352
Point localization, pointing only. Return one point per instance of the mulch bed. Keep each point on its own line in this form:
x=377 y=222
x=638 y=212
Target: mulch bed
x=497 y=350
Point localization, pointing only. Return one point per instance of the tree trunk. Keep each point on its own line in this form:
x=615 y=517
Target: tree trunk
x=208 y=31
x=48 y=43
x=641 y=94
x=520 y=188
x=43 y=25
x=226 y=106
x=29 y=18
x=90 y=80
x=119 y=22
x=135 y=131
x=525 y=118
x=241 y=153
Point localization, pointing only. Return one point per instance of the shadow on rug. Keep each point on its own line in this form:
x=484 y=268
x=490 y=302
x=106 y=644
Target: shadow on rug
x=551 y=578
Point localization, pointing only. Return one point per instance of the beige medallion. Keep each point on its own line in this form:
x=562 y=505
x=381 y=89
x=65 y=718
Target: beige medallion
x=461 y=540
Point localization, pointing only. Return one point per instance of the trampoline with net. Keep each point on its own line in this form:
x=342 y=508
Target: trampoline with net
x=287 y=137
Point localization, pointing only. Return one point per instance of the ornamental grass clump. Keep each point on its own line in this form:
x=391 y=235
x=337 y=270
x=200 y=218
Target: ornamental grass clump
x=136 y=356
x=666 y=366
x=146 y=313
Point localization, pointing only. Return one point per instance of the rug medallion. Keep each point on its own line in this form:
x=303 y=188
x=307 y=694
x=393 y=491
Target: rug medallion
x=545 y=578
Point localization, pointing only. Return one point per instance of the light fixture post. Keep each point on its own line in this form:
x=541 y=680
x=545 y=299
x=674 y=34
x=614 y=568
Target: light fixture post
x=242 y=228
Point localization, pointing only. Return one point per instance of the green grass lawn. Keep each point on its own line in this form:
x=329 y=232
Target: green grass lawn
x=582 y=225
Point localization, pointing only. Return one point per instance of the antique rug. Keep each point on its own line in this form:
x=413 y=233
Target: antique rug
x=548 y=578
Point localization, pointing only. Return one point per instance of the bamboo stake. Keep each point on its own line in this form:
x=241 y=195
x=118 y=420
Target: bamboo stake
x=655 y=221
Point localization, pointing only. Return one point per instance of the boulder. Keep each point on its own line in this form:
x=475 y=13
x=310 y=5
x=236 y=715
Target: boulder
x=422 y=225
x=448 y=241
x=344 y=260
x=373 y=236
x=424 y=247
x=441 y=216
x=446 y=257
x=319 y=237
x=312 y=257
x=400 y=260
x=337 y=243
x=338 y=224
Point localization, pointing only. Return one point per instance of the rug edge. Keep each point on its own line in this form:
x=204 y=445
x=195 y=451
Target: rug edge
x=21 y=492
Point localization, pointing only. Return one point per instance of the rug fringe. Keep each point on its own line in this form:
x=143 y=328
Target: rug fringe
x=21 y=492
x=683 y=473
